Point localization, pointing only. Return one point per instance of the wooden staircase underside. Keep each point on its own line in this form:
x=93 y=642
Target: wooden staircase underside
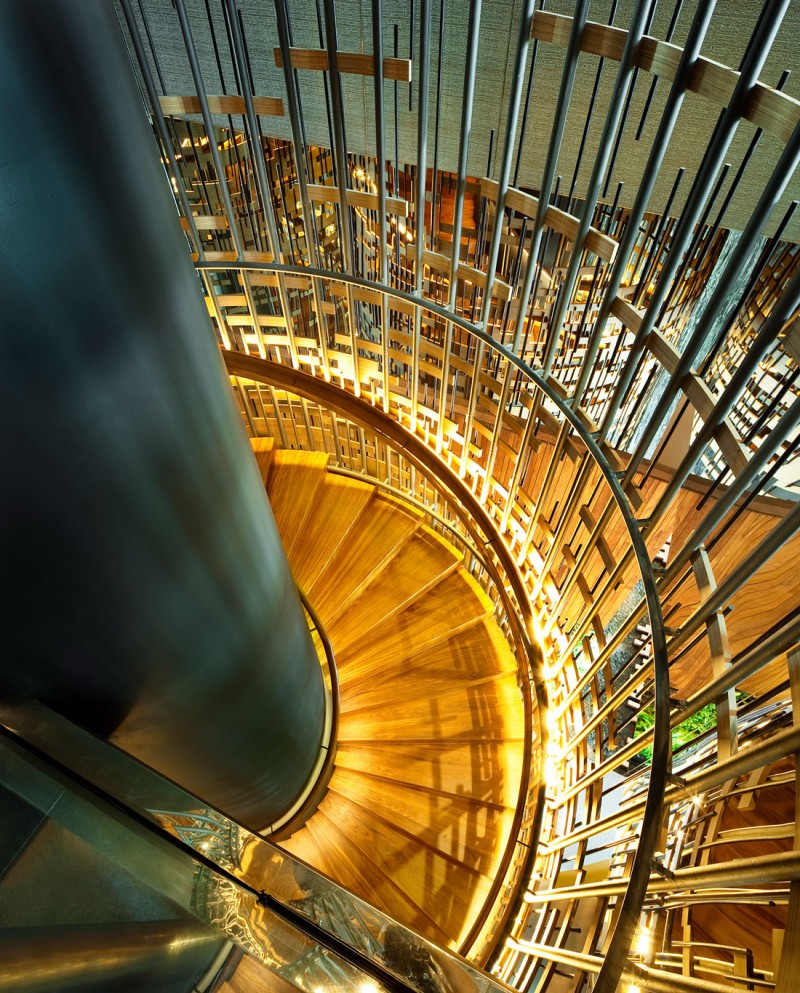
x=418 y=811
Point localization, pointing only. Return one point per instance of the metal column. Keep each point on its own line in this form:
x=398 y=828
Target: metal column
x=148 y=595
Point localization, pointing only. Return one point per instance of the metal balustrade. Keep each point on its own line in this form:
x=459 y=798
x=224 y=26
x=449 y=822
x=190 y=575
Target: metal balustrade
x=606 y=373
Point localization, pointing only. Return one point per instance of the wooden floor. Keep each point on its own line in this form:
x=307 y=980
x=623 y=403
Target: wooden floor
x=430 y=740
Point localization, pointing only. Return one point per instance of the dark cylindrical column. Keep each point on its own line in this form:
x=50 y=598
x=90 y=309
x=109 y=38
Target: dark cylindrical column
x=146 y=592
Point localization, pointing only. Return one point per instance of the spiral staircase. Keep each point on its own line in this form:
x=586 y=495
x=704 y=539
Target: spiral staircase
x=567 y=735
x=419 y=807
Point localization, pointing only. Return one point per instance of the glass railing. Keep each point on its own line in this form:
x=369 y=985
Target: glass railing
x=217 y=885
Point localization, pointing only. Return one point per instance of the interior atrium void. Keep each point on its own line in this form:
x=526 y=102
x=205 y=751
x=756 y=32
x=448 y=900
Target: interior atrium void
x=401 y=506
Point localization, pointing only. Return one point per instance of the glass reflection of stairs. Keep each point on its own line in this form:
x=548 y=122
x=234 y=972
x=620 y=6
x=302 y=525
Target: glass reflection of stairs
x=418 y=809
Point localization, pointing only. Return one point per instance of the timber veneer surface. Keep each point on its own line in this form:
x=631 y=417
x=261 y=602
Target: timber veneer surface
x=431 y=728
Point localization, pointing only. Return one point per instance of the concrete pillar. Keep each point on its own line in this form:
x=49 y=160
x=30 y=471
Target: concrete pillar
x=146 y=593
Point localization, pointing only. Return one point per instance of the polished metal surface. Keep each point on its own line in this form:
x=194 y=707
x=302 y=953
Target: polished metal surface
x=151 y=598
x=292 y=919
x=160 y=957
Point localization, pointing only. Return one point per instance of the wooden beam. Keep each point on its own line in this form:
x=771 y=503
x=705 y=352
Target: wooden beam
x=177 y=106
x=356 y=198
x=441 y=263
x=207 y=222
x=357 y=63
x=555 y=219
x=776 y=112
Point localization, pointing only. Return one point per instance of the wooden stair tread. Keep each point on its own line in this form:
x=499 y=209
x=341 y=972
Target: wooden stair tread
x=427 y=621
x=264 y=452
x=429 y=816
x=252 y=976
x=483 y=713
x=443 y=891
x=295 y=479
x=420 y=563
x=473 y=653
x=421 y=686
x=338 y=505
x=346 y=857
x=489 y=769
x=428 y=632
x=375 y=537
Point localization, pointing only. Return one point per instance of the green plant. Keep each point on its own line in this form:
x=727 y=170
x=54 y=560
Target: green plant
x=696 y=724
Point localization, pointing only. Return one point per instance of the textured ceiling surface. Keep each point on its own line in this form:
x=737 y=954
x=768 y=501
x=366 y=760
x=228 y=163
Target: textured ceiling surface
x=725 y=43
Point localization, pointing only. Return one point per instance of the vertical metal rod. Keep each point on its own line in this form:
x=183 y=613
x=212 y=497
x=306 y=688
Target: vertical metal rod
x=528 y=90
x=752 y=65
x=339 y=142
x=166 y=142
x=224 y=191
x=723 y=332
x=776 y=399
x=651 y=93
x=589 y=114
x=669 y=117
x=343 y=174
x=197 y=76
x=494 y=444
x=257 y=151
x=590 y=298
x=149 y=34
x=721 y=297
x=301 y=165
x=621 y=84
x=764 y=482
x=434 y=201
x=746 y=157
x=692 y=257
x=556 y=136
x=395 y=51
x=659 y=240
x=628 y=100
x=744 y=571
x=224 y=330
x=246 y=406
x=783 y=430
x=519 y=464
x=411 y=53
x=252 y=223
x=543 y=254
x=473 y=31
x=380 y=151
x=766 y=337
x=547 y=482
x=161 y=125
x=326 y=87
x=574 y=498
x=419 y=195
x=518 y=75
x=261 y=406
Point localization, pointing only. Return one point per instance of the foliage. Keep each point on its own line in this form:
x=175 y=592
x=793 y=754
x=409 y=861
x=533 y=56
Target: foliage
x=704 y=720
